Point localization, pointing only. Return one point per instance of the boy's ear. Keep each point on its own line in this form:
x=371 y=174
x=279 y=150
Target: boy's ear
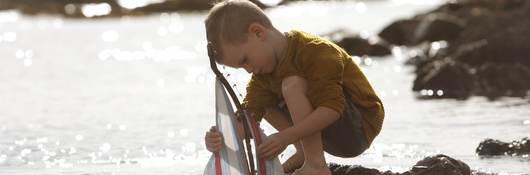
x=258 y=30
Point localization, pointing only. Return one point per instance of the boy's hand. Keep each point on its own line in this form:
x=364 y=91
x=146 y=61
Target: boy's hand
x=272 y=147
x=213 y=140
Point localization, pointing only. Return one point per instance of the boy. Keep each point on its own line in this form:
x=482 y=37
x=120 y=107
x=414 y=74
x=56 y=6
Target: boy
x=306 y=87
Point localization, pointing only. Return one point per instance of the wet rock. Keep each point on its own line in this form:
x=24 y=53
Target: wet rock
x=433 y=165
x=439 y=165
x=444 y=79
x=496 y=80
x=354 y=44
x=491 y=147
x=337 y=169
x=400 y=32
x=437 y=27
x=484 y=45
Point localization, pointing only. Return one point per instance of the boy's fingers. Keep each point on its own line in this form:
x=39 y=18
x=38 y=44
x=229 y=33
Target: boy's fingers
x=265 y=149
x=270 y=154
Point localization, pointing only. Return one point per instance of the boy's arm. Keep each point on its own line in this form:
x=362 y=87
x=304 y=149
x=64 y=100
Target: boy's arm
x=258 y=98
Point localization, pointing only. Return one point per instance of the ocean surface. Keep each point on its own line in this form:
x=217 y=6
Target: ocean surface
x=135 y=95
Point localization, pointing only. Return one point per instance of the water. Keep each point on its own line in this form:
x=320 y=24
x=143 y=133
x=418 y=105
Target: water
x=135 y=95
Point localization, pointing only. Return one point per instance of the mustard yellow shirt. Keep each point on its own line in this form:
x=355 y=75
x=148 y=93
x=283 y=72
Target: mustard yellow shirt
x=328 y=69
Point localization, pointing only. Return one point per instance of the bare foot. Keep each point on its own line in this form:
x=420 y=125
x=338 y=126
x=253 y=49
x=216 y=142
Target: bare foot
x=294 y=162
x=312 y=170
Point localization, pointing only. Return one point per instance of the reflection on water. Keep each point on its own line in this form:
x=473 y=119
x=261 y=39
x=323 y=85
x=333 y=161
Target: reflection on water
x=135 y=95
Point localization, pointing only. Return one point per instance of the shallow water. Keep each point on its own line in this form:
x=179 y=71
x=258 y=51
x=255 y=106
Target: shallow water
x=135 y=95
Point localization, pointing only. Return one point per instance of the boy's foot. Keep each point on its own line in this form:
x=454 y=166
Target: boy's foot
x=294 y=162
x=309 y=170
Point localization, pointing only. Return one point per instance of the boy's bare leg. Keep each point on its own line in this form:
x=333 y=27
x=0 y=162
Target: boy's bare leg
x=300 y=108
x=279 y=121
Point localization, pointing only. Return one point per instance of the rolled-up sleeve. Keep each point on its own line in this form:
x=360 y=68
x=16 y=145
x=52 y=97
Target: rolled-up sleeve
x=323 y=68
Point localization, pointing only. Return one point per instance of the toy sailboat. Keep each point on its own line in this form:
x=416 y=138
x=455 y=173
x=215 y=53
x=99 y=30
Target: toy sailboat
x=231 y=159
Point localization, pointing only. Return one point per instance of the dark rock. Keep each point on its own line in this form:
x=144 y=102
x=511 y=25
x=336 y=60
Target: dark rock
x=400 y=32
x=337 y=169
x=437 y=27
x=433 y=165
x=440 y=165
x=356 y=45
x=454 y=80
x=490 y=147
x=484 y=45
x=497 y=80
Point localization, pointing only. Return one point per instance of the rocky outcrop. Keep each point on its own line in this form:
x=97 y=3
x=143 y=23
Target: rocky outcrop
x=485 y=55
x=356 y=45
x=434 y=165
x=491 y=147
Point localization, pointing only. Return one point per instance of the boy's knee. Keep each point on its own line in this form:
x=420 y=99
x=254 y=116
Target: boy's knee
x=294 y=85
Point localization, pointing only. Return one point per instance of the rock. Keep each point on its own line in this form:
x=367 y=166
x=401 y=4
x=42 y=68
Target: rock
x=485 y=51
x=490 y=147
x=433 y=165
x=400 y=32
x=440 y=165
x=437 y=27
x=337 y=169
x=444 y=79
x=356 y=45
x=497 y=80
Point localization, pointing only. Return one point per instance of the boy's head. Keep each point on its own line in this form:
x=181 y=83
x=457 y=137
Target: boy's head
x=238 y=34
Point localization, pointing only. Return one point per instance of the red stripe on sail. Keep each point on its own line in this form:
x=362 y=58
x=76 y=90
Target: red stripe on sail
x=218 y=170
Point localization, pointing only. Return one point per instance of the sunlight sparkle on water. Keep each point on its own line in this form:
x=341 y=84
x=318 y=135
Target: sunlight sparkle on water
x=78 y=137
x=131 y=4
x=93 y=10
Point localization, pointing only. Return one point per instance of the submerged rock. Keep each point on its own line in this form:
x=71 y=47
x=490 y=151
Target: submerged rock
x=491 y=147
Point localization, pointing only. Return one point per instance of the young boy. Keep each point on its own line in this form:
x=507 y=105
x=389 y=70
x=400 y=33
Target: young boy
x=306 y=87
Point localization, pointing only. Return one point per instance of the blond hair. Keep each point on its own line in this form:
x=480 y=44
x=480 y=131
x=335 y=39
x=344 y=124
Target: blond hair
x=228 y=22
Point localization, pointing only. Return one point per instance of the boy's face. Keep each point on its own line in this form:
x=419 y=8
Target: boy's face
x=256 y=55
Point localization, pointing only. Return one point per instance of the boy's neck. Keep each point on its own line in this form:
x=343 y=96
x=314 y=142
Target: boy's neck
x=279 y=44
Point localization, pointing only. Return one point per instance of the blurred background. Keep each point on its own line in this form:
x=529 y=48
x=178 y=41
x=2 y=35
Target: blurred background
x=124 y=87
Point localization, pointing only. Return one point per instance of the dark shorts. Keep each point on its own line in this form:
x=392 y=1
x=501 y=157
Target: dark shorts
x=345 y=137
